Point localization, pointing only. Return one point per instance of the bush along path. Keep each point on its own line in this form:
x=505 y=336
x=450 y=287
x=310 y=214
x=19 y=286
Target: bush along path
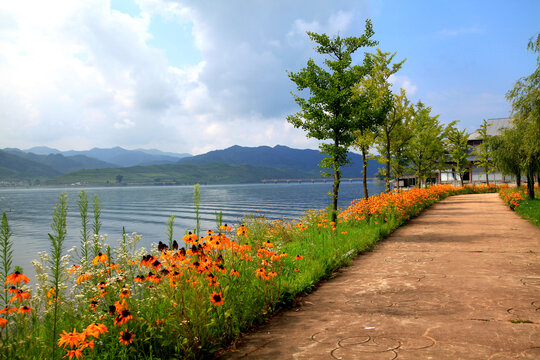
x=460 y=281
x=124 y=302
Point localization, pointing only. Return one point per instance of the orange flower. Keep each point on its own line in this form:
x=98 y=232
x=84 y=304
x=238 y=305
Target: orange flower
x=25 y=309
x=16 y=278
x=242 y=231
x=100 y=258
x=71 y=338
x=77 y=353
x=125 y=293
x=74 y=268
x=234 y=273
x=122 y=318
x=83 y=277
x=19 y=296
x=126 y=337
x=96 y=329
x=225 y=228
x=3 y=322
x=268 y=244
x=7 y=310
x=298 y=257
x=217 y=299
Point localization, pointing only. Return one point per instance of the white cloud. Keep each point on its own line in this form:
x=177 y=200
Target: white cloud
x=403 y=82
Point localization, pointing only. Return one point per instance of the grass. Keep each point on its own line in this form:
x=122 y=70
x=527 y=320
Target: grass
x=171 y=302
x=516 y=200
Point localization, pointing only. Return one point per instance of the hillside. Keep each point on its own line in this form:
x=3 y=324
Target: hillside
x=61 y=163
x=281 y=157
x=13 y=167
x=181 y=174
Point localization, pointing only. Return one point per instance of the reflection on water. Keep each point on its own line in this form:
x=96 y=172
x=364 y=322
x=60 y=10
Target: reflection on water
x=145 y=210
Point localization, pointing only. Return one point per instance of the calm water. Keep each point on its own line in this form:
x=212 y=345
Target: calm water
x=145 y=210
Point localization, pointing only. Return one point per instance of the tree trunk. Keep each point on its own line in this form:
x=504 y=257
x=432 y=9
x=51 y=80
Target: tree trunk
x=530 y=185
x=461 y=175
x=335 y=191
x=364 y=172
x=487 y=177
x=387 y=187
x=518 y=180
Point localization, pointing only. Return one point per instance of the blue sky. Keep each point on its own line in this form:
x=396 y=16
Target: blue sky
x=194 y=76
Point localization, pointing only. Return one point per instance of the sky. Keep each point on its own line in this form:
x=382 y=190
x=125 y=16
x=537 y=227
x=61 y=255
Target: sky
x=194 y=76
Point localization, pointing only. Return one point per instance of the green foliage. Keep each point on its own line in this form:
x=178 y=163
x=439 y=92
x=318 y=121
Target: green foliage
x=82 y=203
x=383 y=108
x=457 y=149
x=96 y=225
x=333 y=112
x=170 y=230
x=57 y=238
x=425 y=148
x=483 y=151
x=6 y=256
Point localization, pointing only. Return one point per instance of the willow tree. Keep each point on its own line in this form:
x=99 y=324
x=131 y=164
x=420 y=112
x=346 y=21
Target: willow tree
x=525 y=100
x=330 y=112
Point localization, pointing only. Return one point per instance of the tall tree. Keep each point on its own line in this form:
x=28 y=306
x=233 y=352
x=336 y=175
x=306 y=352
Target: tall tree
x=331 y=111
x=401 y=136
x=457 y=149
x=525 y=100
x=483 y=151
x=425 y=149
x=363 y=142
x=401 y=110
x=382 y=106
x=507 y=152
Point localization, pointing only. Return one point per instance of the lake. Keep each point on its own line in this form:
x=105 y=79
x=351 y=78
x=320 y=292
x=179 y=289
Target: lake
x=145 y=210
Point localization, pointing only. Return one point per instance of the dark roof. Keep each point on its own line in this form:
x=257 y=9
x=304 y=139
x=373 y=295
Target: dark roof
x=494 y=127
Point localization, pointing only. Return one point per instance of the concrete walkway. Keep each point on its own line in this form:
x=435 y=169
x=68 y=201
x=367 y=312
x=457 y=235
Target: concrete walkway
x=461 y=281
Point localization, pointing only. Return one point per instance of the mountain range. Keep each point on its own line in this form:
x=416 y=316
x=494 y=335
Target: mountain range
x=236 y=164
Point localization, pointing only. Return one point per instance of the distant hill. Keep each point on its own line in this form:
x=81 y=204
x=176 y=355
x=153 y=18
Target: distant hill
x=282 y=157
x=61 y=163
x=116 y=156
x=123 y=158
x=180 y=174
x=13 y=167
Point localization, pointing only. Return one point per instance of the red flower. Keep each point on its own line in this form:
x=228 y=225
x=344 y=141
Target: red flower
x=126 y=337
x=217 y=299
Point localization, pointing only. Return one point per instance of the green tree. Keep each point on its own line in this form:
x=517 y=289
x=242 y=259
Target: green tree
x=425 y=148
x=507 y=153
x=525 y=100
x=383 y=107
x=119 y=178
x=332 y=112
x=363 y=142
x=401 y=110
x=457 y=149
x=483 y=151
x=401 y=136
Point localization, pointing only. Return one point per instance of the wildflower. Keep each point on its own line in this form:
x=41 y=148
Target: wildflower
x=83 y=277
x=16 y=278
x=25 y=309
x=71 y=338
x=216 y=299
x=175 y=245
x=242 y=232
x=272 y=274
x=100 y=258
x=162 y=247
x=74 y=268
x=122 y=318
x=77 y=353
x=268 y=244
x=93 y=304
x=298 y=257
x=3 y=322
x=126 y=337
x=296 y=269
x=96 y=329
x=125 y=293
x=19 y=296
x=7 y=310
x=225 y=228
x=190 y=238
x=234 y=273
x=139 y=278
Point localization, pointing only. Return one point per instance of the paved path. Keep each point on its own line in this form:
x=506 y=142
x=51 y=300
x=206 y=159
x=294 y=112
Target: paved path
x=445 y=286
